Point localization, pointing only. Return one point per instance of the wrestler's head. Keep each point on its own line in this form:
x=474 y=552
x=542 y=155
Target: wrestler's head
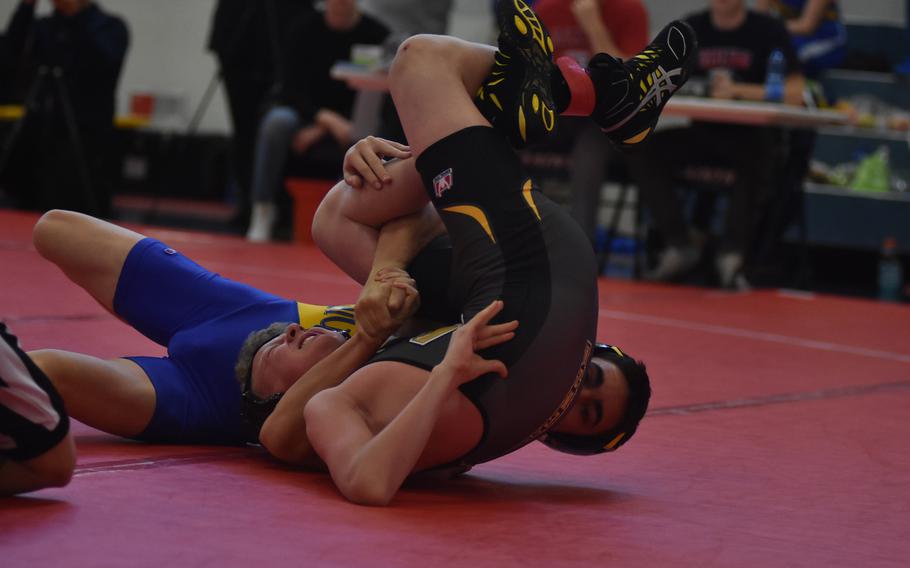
x=272 y=359
x=613 y=399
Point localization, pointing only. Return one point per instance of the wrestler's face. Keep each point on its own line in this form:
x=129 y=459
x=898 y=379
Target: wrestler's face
x=600 y=404
x=281 y=361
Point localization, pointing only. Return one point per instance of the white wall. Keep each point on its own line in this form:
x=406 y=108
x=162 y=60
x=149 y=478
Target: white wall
x=855 y=11
x=167 y=53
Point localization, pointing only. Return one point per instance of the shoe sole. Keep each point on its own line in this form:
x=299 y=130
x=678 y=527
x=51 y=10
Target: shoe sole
x=655 y=87
x=525 y=33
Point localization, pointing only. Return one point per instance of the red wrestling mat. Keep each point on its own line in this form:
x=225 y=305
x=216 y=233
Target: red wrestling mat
x=777 y=436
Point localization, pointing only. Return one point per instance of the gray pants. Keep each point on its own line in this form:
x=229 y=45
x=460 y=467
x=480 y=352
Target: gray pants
x=273 y=140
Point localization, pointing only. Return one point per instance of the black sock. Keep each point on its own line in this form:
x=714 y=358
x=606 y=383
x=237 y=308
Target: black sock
x=562 y=96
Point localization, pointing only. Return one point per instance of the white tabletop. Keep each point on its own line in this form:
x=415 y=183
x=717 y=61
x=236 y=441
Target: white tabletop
x=360 y=77
x=694 y=108
x=757 y=113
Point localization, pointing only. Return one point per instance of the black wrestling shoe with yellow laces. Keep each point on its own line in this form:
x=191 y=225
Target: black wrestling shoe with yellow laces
x=632 y=94
x=517 y=95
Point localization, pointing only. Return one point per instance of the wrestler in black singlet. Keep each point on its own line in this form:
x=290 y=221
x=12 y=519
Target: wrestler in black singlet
x=512 y=243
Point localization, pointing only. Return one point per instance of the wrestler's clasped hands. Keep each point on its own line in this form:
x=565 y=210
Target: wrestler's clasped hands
x=387 y=300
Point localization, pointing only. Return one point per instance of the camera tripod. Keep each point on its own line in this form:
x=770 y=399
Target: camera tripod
x=46 y=97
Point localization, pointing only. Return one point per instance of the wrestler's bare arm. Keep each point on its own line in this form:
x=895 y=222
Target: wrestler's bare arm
x=369 y=462
x=283 y=432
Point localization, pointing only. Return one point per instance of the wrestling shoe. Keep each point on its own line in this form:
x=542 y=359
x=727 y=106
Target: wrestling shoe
x=632 y=94
x=517 y=95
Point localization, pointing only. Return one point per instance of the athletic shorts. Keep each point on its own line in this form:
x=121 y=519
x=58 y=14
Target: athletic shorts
x=32 y=417
x=511 y=243
x=203 y=319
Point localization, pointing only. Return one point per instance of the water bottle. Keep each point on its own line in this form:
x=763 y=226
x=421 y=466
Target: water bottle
x=890 y=272
x=774 y=81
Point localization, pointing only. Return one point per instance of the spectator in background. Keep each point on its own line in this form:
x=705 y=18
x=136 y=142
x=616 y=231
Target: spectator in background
x=820 y=39
x=85 y=47
x=580 y=29
x=36 y=448
x=818 y=33
x=312 y=117
x=734 y=47
x=248 y=38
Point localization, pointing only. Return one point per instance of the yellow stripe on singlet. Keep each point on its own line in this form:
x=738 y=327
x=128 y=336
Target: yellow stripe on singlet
x=475 y=213
x=612 y=443
x=433 y=335
x=529 y=197
x=337 y=318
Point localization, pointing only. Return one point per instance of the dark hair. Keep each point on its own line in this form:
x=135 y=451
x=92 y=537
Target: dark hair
x=243 y=369
x=636 y=375
x=254 y=410
x=639 y=395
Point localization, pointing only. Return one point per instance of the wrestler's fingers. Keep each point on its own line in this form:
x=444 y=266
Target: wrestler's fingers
x=498 y=328
x=396 y=299
x=483 y=317
x=411 y=300
x=352 y=175
x=353 y=180
x=388 y=273
x=378 y=170
x=492 y=366
x=406 y=295
x=360 y=164
x=389 y=148
x=486 y=342
x=405 y=280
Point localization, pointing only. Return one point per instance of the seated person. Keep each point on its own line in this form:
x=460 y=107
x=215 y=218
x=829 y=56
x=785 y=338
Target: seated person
x=312 y=117
x=36 y=448
x=432 y=400
x=820 y=39
x=734 y=47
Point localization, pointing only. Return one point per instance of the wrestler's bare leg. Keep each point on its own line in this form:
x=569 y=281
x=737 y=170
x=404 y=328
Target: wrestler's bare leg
x=112 y=395
x=431 y=80
x=346 y=226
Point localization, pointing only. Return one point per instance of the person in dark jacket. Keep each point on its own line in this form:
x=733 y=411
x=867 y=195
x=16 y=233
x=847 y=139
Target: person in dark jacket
x=248 y=40
x=69 y=65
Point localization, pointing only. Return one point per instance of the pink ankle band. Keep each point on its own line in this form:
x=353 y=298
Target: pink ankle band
x=580 y=85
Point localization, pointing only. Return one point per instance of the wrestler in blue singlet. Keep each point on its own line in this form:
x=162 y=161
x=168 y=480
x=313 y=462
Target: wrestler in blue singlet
x=203 y=319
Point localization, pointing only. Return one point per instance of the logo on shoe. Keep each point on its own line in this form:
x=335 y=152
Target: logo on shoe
x=659 y=84
x=443 y=182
